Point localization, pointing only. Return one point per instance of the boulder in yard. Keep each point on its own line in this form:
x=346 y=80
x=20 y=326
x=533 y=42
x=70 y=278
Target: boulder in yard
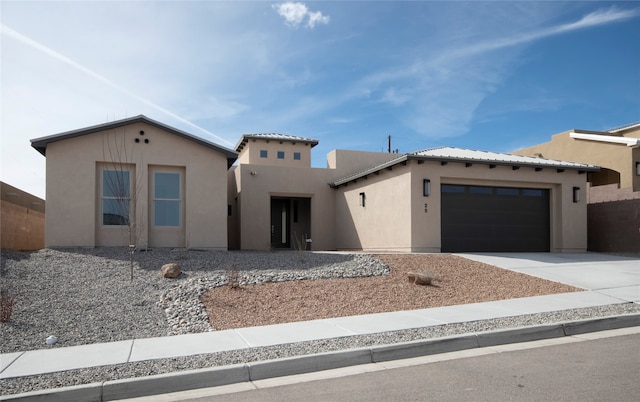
x=171 y=270
x=421 y=278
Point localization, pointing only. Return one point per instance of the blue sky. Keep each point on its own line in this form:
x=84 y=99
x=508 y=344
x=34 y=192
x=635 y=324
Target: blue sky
x=494 y=76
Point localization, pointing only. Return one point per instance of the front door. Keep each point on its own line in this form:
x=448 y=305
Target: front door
x=280 y=223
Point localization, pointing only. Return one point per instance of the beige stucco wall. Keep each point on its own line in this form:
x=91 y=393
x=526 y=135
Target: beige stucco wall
x=72 y=191
x=250 y=154
x=395 y=218
x=384 y=222
x=618 y=157
x=349 y=161
x=256 y=185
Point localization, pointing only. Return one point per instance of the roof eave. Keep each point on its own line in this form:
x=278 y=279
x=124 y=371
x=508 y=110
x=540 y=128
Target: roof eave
x=40 y=144
x=246 y=137
x=586 y=168
x=590 y=136
x=407 y=157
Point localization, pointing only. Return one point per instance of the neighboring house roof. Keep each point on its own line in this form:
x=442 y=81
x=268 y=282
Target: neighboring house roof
x=604 y=137
x=460 y=155
x=274 y=137
x=625 y=127
x=41 y=143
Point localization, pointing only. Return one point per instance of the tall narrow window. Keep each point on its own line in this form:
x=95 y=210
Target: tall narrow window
x=576 y=194
x=166 y=199
x=116 y=197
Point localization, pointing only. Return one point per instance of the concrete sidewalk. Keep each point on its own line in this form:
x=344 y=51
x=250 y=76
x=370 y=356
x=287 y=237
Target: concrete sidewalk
x=606 y=280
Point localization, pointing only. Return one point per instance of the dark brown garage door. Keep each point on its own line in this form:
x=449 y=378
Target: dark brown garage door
x=480 y=218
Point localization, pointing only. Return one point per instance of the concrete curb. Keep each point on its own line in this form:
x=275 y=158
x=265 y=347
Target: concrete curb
x=217 y=376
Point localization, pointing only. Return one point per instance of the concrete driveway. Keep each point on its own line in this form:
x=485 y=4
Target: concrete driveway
x=606 y=274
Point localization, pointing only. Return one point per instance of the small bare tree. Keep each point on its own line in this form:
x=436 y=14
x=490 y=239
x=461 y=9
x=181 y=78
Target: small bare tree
x=120 y=191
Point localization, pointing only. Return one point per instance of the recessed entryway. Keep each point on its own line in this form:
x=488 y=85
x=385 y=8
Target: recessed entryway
x=290 y=222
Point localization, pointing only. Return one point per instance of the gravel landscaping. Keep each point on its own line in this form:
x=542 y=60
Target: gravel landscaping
x=86 y=296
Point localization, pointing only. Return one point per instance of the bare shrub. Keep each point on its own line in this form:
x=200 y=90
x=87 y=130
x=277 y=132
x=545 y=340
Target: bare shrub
x=300 y=246
x=233 y=278
x=7 y=302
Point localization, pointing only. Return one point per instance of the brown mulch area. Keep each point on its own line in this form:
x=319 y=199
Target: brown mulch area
x=462 y=281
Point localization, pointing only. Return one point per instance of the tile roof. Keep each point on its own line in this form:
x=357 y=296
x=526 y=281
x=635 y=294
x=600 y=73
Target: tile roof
x=461 y=155
x=275 y=137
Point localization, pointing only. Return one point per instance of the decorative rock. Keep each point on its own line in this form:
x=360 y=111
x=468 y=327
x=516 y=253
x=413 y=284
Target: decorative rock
x=171 y=270
x=420 y=278
x=51 y=340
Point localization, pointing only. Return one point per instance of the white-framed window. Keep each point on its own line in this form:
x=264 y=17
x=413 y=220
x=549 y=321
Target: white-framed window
x=167 y=199
x=115 y=197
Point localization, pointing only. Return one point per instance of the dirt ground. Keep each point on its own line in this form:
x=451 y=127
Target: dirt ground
x=461 y=281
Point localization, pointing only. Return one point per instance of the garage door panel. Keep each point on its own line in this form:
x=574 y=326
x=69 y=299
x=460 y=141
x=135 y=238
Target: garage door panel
x=476 y=218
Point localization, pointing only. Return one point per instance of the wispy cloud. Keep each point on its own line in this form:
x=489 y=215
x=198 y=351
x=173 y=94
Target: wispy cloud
x=295 y=14
x=9 y=32
x=596 y=18
x=441 y=92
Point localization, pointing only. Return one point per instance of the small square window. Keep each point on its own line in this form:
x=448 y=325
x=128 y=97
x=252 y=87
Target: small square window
x=280 y=154
x=296 y=156
x=264 y=153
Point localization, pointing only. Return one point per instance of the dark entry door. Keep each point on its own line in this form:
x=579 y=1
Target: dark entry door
x=480 y=218
x=280 y=225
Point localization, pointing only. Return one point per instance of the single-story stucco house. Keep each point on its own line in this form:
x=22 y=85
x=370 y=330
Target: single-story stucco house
x=183 y=191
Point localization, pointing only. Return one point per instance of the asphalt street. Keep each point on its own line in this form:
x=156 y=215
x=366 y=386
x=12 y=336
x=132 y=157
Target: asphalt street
x=593 y=370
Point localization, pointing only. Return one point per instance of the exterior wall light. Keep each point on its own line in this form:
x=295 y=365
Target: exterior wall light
x=426 y=187
x=576 y=194
x=362 y=199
